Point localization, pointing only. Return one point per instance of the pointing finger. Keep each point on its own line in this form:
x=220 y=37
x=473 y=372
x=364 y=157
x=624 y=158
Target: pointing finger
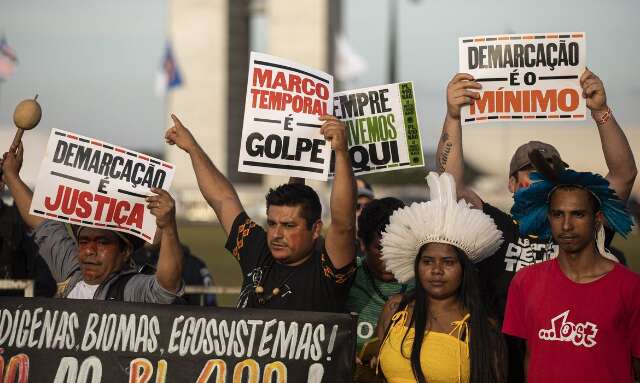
x=176 y=120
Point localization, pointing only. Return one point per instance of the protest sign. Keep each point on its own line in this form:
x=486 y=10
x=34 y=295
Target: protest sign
x=281 y=129
x=530 y=77
x=70 y=341
x=88 y=182
x=382 y=128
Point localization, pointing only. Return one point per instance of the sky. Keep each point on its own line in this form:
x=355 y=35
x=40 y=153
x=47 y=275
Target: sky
x=93 y=62
x=428 y=45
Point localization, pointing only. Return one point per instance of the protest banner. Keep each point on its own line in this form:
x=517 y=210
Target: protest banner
x=70 y=341
x=88 y=182
x=529 y=77
x=281 y=129
x=382 y=128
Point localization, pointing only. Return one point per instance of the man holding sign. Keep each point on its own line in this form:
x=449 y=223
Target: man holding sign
x=282 y=266
x=462 y=90
x=95 y=262
x=518 y=250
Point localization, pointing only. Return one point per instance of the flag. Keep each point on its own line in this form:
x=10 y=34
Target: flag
x=348 y=64
x=8 y=59
x=168 y=76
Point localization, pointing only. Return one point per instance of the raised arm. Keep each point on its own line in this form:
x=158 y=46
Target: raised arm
x=341 y=236
x=616 y=149
x=449 y=155
x=214 y=186
x=170 y=260
x=22 y=195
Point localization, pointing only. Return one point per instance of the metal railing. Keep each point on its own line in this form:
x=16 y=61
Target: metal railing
x=198 y=289
x=28 y=286
x=18 y=284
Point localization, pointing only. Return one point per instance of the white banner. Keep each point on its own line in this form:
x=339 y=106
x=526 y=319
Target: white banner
x=526 y=77
x=281 y=129
x=382 y=128
x=88 y=182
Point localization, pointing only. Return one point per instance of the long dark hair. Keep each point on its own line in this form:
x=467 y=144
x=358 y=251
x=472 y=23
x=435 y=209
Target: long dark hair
x=486 y=345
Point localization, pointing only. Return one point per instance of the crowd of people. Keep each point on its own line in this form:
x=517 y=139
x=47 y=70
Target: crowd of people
x=448 y=290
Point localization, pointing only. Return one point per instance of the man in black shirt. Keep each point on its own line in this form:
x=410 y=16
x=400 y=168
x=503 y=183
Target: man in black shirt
x=282 y=266
x=518 y=251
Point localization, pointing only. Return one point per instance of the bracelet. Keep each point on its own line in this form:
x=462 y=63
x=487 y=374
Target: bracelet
x=605 y=117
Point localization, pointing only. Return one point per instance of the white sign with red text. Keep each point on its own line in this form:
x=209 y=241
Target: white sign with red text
x=88 y=182
x=281 y=129
x=525 y=77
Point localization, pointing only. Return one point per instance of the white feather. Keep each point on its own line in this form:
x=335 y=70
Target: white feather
x=443 y=219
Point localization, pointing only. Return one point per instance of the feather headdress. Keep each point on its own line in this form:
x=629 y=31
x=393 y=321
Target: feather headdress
x=531 y=204
x=443 y=219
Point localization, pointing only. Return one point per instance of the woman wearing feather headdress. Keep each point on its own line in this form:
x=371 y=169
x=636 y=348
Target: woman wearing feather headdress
x=581 y=308
x=440 y=331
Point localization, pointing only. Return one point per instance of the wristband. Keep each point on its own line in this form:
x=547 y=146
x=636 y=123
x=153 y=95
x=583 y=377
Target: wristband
x=604 y=118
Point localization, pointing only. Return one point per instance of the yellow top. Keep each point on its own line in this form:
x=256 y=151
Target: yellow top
x=444 y=357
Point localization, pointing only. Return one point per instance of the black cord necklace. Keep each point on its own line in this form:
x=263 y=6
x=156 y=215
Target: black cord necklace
x=275 y=292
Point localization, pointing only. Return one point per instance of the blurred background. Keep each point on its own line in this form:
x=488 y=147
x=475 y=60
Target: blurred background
x=115 y=69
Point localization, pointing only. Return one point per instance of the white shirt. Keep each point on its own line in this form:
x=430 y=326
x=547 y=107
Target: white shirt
x=82 y=290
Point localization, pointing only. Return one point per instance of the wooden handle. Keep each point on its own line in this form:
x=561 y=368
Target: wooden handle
x=16 y=140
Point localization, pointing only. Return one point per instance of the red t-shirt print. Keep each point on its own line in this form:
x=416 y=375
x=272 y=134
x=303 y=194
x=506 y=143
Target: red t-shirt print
x=580 y=334
x=575 y=332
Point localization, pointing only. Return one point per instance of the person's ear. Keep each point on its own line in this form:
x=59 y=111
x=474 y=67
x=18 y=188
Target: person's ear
x=317 y=229
x=513 y=182
x=599 y=219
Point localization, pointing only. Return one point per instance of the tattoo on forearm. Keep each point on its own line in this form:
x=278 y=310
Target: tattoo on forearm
x=444 y=157
x=444 y=137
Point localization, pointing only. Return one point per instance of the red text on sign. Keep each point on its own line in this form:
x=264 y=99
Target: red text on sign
x=97 y=207
x=523 y=101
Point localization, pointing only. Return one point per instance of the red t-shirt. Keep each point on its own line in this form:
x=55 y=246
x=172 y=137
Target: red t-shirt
x=575 y=332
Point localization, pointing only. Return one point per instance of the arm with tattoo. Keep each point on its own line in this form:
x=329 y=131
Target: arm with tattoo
x=449 y=155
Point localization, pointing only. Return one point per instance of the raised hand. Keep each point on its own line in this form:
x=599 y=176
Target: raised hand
x=179 y=135
x=460 y=92
x=163 y=207
x=12 y=162
x=593 y=92
x=334 y=131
